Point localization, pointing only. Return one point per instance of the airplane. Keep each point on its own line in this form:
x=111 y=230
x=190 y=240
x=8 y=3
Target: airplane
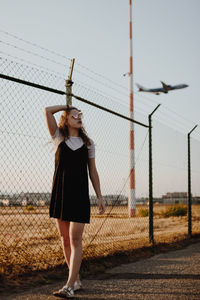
x=163 y=89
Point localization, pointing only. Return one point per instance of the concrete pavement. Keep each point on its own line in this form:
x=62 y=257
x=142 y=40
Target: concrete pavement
x=171 y=275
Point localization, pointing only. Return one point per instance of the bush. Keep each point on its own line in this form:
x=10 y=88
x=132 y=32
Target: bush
x=175 y=211
x=143 y=212
x=29 y=207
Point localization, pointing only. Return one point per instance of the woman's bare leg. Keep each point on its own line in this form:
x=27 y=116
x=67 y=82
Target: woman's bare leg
x=76 y=232
x=63 y=228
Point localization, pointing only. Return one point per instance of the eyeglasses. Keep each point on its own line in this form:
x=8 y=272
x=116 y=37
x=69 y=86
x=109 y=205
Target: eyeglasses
x=78 y=115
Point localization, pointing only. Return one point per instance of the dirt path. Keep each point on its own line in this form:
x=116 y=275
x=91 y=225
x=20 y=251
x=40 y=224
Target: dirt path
x=171 y=275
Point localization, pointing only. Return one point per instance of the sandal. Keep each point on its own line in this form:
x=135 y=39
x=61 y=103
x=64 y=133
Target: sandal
x=77 y=285
x=65 y=292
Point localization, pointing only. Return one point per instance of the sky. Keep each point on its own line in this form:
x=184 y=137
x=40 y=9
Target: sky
x=166 y=47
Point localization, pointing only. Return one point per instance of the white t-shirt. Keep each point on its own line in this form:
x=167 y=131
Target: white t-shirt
x=73 y=142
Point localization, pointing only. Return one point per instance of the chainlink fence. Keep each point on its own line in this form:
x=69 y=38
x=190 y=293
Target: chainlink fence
x=29 y=238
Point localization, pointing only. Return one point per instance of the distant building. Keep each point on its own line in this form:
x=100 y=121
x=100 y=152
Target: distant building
x=175 y=197
x=25 y=199
x=40 y=202
x=196 y=200
x=142 y=201
x=111 y=200
x=37 y=199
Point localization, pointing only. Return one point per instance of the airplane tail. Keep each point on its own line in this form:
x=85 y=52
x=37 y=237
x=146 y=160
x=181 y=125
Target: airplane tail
x=140 y=87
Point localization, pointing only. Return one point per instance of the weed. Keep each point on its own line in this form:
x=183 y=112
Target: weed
x=175 y=211
x=143 y=212
x=30 y=207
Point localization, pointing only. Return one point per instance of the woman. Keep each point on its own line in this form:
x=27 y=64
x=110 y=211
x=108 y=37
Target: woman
x=69 y=203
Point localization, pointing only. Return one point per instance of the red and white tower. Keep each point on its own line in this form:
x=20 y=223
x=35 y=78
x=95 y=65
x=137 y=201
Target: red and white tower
x=132 y=199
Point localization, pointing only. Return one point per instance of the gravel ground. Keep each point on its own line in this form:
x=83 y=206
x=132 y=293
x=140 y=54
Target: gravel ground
x=171 y=275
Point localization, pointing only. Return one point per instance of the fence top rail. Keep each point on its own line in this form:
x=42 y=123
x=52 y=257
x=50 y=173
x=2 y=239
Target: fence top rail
x=42 y=87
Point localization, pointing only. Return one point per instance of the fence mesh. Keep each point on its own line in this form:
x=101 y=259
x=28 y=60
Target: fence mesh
x=170 y=179
x=29 y=238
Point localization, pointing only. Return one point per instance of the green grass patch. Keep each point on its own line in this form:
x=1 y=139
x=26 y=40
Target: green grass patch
x=177 y=210
x=30 y=207
x=143 y=212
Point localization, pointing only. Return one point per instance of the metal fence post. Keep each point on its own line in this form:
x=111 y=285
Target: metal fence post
x=189 y=188
x=151 y=238
x=68 y=84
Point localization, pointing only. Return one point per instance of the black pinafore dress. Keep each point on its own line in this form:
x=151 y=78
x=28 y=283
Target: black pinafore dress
x=70 y=191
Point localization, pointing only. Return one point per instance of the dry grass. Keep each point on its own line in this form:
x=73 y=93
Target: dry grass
x=30 y=240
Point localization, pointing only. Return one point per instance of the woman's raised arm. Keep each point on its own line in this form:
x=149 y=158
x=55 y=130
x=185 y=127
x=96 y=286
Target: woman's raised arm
x=50 y=119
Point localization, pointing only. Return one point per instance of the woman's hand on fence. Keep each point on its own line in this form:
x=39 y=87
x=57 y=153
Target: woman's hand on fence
x=101 y=206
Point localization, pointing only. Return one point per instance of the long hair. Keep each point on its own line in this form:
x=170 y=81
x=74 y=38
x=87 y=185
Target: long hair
x=62 y=125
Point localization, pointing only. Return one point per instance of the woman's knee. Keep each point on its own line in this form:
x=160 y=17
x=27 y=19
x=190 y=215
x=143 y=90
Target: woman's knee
x=76 y=232
x=76 y=240
x=63 y=229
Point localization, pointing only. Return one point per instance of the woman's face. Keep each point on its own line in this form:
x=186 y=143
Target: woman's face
x=74 y=119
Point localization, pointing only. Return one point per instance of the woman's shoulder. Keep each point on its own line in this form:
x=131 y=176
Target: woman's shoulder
x=91 y=143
